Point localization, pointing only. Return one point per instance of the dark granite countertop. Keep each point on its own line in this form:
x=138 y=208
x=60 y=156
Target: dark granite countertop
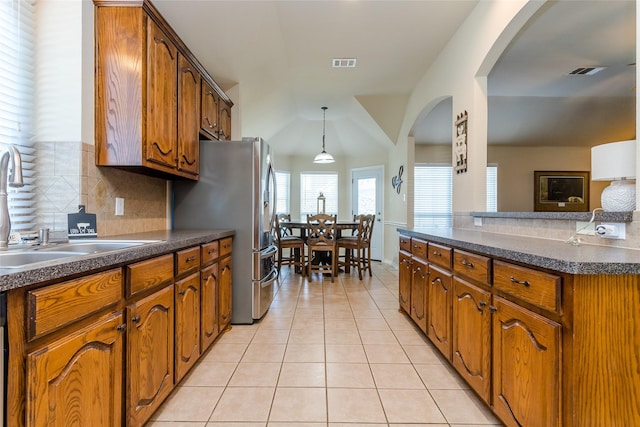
x=544 y=253
x=168 y=241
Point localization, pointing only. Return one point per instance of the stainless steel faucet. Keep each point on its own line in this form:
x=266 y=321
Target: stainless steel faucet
x=14 y=180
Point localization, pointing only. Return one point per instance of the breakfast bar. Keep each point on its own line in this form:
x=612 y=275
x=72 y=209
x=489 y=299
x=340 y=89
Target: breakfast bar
x=546 y=333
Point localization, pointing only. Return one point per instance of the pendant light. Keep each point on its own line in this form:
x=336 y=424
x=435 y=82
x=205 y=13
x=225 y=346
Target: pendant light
x=323 y=157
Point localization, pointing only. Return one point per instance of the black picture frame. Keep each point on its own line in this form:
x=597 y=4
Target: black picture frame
x=561 y=191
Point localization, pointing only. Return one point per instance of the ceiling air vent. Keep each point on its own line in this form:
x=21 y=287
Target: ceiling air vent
x=586 y=71
x=344 y=62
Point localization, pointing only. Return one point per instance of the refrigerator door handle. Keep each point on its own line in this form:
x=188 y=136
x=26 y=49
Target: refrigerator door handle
x=273 y=276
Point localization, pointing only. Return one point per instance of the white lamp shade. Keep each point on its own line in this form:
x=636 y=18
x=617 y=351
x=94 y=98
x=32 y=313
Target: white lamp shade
x=323 y=157
x=616 y=160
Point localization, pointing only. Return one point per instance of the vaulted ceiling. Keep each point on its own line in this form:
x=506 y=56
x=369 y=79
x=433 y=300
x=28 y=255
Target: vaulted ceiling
x=280 y=53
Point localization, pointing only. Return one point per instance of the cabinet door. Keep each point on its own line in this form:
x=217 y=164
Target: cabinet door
x=526 y=366
x=149 y=355
x=472 y=335
x=419 y=291
x=209 y=113
x=225 y=297
x=224 y=117
x=188 y=117
x=162 y=83
x=439 y=311
x=77 y=380
x=187 y=339
x=209 y=306
x=404 y=282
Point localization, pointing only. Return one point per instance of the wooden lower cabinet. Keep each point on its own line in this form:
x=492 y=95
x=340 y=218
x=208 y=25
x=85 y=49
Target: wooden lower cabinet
x=225 y=294
x=404 y=281
x=66 y=376
x=187 y=332
x=472 y=336
x=149 y=354
x=209 y=306
x=439 y=309
x=419 y=292
x=526 y=366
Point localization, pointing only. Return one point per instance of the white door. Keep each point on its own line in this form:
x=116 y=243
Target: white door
x=366 y=191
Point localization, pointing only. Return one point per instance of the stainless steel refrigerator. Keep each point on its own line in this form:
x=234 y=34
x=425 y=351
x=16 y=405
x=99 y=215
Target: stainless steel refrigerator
x=236 y=191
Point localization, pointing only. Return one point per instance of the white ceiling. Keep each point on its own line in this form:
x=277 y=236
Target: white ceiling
x=280 y=53
x=533 y=100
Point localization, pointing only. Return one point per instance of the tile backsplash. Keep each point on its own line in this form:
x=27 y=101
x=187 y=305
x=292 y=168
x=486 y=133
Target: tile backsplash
x=67 y=177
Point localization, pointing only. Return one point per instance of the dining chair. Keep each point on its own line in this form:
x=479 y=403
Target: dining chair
x=286 y=241
x=357 y=248
x=321 y=241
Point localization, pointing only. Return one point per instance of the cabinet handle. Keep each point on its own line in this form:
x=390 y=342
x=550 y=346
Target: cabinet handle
x=135 y=319
x=467 y=263
x=190 y=259
x=212 y=126
x=524 y=283
x=121 y=328
x=210 y=252
x=436 y=253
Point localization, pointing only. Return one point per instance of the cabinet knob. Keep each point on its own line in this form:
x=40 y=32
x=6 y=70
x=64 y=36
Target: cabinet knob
x=135 y=319
x=482 y=304
x=493 y=308
x=121 y=328
x=190 y=259
x=181 y=293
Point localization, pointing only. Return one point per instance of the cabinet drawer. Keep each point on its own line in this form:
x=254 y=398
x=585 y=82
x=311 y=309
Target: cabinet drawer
x=472 y=266
x=535 y=287
x=187 y=260
x=225 y=246
x=419 y=248
x=405 y=243
x=209 y=252
x=440 y=255
x=58 y=305
x=146 y=274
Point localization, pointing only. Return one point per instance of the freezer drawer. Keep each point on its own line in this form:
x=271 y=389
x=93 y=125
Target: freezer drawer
x=263 y=293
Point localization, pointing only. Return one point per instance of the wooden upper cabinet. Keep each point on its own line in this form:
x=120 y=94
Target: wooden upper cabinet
x=188 y=117
x=162 y=89
x=209 y=112
x=224 y=117
x=148 y=117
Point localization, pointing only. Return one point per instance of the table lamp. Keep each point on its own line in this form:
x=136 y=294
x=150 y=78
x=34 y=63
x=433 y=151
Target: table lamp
x=616 y=162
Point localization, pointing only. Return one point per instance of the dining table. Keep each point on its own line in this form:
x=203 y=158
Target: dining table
x=303 y=226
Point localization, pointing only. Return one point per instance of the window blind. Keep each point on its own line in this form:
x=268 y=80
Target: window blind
x=311 y=185
x=492 y=188
x=432 y=205
x=433 y=187
x=283 y=182
x=17 y=74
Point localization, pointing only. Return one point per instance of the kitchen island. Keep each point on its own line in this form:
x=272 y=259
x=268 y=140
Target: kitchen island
x=102 y=339
x=546 y=333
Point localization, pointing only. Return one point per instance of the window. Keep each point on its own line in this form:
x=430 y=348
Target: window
x=492 y=188
x=283 y=189
x=432 y=196
x=311 y=185
x=17 y=25
x=433 y=193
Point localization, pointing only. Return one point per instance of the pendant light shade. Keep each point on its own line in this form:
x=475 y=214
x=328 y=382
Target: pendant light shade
x=323 y=156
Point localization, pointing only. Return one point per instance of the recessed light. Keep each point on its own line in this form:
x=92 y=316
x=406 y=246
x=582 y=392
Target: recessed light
x=344 y=62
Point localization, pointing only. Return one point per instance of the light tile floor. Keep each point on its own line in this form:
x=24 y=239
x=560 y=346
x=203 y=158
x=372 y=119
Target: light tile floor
x=325 y=354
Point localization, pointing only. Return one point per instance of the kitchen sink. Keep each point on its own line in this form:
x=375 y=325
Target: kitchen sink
x=21 y=259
